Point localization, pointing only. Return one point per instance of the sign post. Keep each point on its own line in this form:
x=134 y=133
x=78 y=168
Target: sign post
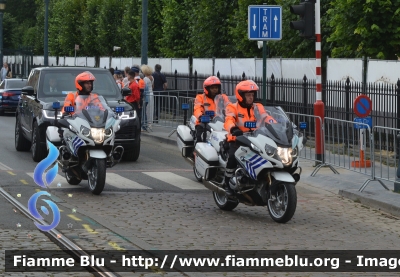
x=362 y=108
x=264 y=23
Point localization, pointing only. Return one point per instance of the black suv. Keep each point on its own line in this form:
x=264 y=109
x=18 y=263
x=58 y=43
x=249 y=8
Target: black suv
x=50 y=84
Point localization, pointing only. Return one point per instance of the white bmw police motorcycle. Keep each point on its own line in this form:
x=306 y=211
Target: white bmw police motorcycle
x=267 y=161
x=86 y=141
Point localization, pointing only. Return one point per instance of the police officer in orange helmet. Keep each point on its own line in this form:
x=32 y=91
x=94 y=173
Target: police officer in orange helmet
x=236 y=115
x=205 y=102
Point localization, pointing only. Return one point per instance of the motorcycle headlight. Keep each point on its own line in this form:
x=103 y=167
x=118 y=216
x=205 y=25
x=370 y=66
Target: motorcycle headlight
x=97 y=134
x=108 y=132
x=271 y=151
x=85 y=131
x=127 y=115
x=50 y=114
x=285 y=155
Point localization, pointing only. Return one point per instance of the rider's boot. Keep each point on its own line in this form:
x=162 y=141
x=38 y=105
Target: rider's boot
x=228 y=176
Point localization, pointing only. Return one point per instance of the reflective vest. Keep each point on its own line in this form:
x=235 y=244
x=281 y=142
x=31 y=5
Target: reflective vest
x=70 y=100
x=202 y=103
x=236 y=116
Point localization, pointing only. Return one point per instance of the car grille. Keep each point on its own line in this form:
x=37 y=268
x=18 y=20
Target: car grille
x=126 y=132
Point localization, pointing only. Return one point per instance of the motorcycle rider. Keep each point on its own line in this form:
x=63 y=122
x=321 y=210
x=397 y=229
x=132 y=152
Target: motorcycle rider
x=84 y=84
x=205 y=102
x=236 y=115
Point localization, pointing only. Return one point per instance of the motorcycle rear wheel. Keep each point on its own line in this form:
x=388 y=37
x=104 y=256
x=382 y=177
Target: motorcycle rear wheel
x=223 y=202
x=97 y=176
x=283 y=207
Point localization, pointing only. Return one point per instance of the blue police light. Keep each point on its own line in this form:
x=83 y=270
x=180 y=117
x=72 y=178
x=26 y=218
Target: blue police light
x=250 y=124
x=56 y=105
x=69 y=109
x=210 y=113
x=303 y=125
x=185 y=106
x=205 y=119
x=119 y=109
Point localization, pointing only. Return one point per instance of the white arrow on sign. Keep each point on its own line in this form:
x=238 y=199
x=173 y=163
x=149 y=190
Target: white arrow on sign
x=254 y=24
x=275 y=19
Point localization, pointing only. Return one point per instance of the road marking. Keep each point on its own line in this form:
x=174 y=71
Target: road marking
x=74 y=217
x=118 y=181
x=61 y=180
x=175 y=180
x=4 y=167
x=90 y=230
x=11 y=173
x=24 y=182
x=115 y=246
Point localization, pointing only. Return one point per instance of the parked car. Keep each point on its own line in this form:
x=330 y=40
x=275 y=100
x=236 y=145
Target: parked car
x=10 y=91
x=33 y=115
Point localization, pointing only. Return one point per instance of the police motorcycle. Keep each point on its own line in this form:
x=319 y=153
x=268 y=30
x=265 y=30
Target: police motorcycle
x=267 y=161
x=86 y=141
x=186 y=134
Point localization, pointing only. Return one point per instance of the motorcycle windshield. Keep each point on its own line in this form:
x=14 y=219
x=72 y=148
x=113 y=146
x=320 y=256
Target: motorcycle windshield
x=220 y=105
x=276 y=125
x=94 y=109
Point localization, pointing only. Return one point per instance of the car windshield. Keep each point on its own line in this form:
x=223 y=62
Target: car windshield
x=276 y=125
x=56 y=83
x=94 y=109
x=17 y=83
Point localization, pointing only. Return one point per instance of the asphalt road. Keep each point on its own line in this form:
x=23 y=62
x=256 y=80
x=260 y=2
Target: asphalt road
x=156 y=203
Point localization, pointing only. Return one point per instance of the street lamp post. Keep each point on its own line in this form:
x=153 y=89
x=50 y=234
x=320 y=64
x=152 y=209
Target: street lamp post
x=2 y=8
x=144 y=31
x=46 y=33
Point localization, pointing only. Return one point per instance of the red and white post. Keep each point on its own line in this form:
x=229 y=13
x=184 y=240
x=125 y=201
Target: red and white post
x=319 y=107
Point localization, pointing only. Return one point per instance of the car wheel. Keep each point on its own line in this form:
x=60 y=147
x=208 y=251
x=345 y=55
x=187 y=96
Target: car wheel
x=39 y=152
x=21 y=143
x=132 y=154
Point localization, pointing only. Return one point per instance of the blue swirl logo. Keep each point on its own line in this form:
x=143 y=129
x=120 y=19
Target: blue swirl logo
x=44 y=182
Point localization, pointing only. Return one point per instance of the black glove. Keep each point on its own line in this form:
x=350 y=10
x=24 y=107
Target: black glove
x=235 y=131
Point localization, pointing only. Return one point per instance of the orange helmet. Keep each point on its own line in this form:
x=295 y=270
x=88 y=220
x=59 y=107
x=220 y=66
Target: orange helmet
x=84 y=77
x=245 y=86
x=211 y=81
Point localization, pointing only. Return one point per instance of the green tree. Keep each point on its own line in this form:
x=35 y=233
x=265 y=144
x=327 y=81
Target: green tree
x=370 y=28
x=130 y=29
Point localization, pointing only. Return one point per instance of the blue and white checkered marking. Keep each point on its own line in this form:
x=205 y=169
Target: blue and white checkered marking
x=76 y=143
x=253 y=163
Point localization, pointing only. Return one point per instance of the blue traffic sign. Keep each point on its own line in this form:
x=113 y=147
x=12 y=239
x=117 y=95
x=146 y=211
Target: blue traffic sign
x=366 y=120
x=265 y=22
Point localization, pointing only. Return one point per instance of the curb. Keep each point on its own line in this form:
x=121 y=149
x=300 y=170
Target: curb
x=160 y=139
x=370 y=200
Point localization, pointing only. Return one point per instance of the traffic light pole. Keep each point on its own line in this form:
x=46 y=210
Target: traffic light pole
x=319 y=107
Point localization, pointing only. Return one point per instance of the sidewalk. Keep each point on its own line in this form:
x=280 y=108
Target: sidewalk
x=346 y=184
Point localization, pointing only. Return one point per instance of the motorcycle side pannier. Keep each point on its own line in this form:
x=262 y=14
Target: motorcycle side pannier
x=185 y=140
x=206 y=156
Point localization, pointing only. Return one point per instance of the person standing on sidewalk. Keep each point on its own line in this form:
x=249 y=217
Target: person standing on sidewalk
x=134 y=97
x=148 y=103
x=160 y=85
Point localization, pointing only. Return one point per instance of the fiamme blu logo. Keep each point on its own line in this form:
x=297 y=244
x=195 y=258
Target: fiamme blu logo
x=43 y=179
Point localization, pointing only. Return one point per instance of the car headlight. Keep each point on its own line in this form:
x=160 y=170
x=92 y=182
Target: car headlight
x=108 y=132
x=97 y=134
x=127 y=115
x=286 y=155
x=85 y=131
x=50 y=114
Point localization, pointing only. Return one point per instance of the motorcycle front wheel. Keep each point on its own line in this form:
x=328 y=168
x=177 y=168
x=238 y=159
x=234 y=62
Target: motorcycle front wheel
x=283 y=206
x=97 y=176
x=223 y=202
